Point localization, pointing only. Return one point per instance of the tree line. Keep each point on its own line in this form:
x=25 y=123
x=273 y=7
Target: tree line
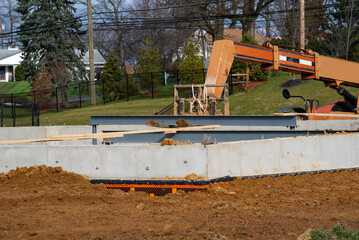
x=157 y=35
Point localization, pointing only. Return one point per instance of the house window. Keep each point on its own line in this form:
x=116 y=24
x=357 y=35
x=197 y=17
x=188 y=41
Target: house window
x=2 y=73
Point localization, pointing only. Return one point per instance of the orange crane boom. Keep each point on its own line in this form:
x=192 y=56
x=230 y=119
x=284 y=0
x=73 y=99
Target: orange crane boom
x=332 y=71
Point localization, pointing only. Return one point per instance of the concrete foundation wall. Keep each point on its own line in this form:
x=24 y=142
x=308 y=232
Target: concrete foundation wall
x=283 y=155
x=333 y=125
x=119 y=162
x=235 y=159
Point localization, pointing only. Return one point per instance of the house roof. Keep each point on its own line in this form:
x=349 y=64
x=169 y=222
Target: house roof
x=5 y=53
x=236 y=35
x=98 y=59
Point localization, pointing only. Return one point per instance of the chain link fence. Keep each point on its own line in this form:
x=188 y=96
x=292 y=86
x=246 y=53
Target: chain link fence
x=23 y=109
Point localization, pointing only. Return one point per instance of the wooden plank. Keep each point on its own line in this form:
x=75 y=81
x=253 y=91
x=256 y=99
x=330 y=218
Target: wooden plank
x=169 y=132
x=102 y=135
x=34 y=140
x=88 y=136
x=115 y=134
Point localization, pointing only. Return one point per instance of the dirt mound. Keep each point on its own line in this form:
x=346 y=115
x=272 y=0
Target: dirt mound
x=51 y=182
x=41 y=174
x=179 y=123
x=170 y=141
x=62 y=205
x=191 y=176
x=182 y=123
x=152 y=123
x=194 y=176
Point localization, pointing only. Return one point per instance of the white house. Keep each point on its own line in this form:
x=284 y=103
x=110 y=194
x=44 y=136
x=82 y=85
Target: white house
x=10 y=58
x=98 y=59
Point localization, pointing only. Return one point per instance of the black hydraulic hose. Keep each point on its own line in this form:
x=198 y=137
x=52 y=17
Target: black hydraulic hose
x=347 y=96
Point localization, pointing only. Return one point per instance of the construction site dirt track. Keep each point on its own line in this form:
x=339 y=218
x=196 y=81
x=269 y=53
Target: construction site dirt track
x=49 y=203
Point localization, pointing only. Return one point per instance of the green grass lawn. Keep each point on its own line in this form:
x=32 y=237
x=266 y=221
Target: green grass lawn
x=74 y=91
x=14 y=87
x=25 y=87
x=82 y=116
x=267 y=97
x=264 y=99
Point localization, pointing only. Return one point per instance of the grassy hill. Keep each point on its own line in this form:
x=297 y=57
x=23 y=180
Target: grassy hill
x=267 y=97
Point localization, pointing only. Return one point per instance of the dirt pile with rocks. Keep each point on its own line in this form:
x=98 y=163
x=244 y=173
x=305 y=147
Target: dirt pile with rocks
x=179 y=123
x=170 y=141
x=49 y=203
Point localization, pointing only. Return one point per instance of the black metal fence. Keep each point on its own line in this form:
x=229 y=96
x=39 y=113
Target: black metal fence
x=23 y=109
x=16 y=110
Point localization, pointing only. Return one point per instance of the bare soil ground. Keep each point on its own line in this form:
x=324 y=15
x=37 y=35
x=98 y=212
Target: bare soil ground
x=48 y=203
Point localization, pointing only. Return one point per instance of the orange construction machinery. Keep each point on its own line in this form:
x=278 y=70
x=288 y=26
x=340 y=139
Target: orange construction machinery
x=334 y=72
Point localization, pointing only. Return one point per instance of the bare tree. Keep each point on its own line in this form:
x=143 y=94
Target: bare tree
x=251 y=11
x=159 y=25
x=287 y=21
x=9 y=18
x=340 y=38
x=108 y=15
x=208 y=16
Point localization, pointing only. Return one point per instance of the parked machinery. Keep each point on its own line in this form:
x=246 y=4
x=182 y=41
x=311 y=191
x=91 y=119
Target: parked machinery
x=334 y=72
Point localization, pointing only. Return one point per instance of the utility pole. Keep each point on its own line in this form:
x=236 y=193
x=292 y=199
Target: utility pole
x=2 y=37
x=302 y=27
x=91 y=53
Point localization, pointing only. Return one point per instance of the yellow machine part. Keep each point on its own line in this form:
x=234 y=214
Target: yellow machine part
x=219 y=66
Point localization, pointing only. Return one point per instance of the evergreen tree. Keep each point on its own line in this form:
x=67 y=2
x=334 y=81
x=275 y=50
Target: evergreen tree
x=149 y=61
x=192 y=65
x=19 y=73
x=111 y=78
x=48 y=35
x=115 y=86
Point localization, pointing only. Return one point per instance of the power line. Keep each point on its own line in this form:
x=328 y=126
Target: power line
x=164 y=8
x=138 y=23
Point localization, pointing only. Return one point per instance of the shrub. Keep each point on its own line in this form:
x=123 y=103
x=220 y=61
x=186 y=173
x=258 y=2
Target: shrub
x=75 y=105
x=42 y=88
x=149 y=60
x=19 y=73
x=191 y=68
x=338 y=232
x=111 y=77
